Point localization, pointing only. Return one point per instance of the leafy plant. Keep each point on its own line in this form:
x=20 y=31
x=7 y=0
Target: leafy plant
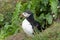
x=54 y=9
x=49 y=18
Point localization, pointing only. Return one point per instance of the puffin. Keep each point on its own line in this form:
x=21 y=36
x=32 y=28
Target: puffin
x=29 y=23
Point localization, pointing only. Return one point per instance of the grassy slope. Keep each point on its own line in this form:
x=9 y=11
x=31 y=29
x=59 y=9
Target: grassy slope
x=51 y=33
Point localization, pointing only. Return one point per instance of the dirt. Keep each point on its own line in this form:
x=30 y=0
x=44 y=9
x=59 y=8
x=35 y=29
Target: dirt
x=19 y=36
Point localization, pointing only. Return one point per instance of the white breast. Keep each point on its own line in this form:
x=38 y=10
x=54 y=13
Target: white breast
x=27 y=27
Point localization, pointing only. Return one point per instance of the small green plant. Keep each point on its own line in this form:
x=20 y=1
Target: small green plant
x=54 y=9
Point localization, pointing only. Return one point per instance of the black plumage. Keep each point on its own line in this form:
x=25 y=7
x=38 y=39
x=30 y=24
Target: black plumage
x=33 y=22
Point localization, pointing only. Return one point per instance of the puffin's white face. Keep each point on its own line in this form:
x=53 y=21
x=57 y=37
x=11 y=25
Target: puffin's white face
x=26 y=14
